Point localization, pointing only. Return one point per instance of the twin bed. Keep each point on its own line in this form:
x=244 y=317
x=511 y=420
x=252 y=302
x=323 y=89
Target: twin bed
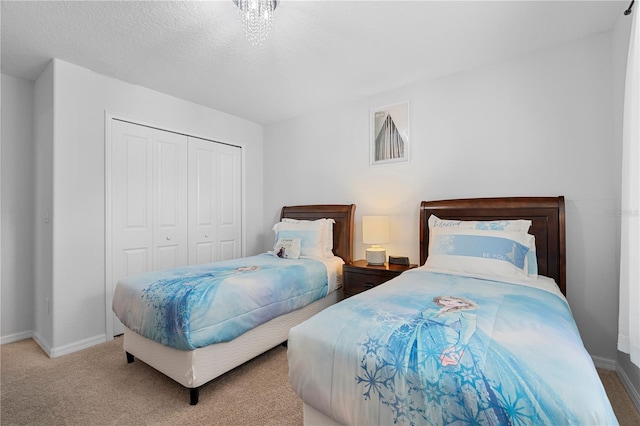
x=480 y=333
x=172 y=335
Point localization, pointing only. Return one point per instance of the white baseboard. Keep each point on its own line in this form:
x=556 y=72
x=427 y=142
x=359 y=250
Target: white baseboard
x=42 y=343
x=633 y=392
x=612 y=365
x=77 y=346
x=16 y=337
x=605 y=363
x=54 y=352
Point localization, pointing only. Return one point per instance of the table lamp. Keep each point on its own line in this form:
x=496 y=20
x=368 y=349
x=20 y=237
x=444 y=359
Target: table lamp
x=375 y=231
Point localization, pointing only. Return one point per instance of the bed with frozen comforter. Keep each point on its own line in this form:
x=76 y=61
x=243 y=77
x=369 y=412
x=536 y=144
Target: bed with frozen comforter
x=481 y=333
x=196 y=322
x=196 y=306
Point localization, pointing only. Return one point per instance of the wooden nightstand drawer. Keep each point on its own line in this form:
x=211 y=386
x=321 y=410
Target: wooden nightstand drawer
x=358 y=276
x=355 y=282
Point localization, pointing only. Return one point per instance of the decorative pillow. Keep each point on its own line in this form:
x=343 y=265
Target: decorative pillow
x=519 y=225
x=491 y=253
x=287 y=248
x=327 y=233
x=310 y=235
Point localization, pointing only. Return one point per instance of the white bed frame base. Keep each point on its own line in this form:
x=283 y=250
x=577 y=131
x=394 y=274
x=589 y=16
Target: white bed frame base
x=197 y=367
x=313 y=417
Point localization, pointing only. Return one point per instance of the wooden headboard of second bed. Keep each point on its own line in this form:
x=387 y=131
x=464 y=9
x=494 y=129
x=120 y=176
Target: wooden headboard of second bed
x=546 y=213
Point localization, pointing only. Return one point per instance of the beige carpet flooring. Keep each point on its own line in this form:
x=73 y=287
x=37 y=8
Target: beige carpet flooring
x=96 y=386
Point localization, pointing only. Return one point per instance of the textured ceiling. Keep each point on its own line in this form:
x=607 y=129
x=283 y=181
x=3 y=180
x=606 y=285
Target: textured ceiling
x=319 y=53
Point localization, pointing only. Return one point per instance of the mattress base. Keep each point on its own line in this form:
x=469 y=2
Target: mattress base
x=196 y=367
x=313 y=417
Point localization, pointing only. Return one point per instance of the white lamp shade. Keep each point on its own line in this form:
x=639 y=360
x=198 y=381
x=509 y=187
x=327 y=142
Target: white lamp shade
x=375 y=229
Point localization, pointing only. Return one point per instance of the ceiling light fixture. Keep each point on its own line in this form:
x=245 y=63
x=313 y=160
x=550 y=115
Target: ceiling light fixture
x=256 y=17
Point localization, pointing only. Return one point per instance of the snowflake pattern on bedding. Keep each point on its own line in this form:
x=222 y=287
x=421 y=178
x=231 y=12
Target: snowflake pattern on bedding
x=173 y=299
x=436 y=368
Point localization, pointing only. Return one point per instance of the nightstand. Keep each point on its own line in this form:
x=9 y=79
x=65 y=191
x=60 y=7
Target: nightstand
x=357 y=276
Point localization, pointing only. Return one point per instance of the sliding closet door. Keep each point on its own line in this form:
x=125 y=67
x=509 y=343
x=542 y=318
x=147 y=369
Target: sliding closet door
x=214 y=201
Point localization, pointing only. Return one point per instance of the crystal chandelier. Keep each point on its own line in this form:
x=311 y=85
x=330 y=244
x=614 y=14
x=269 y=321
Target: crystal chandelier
x=256 y=17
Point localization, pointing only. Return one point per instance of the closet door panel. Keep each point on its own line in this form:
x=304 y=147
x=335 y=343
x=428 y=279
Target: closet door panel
x=132 y=182
x=135 y=261
x=230 y=175
x=131 y=200
x=169 y=200
x=203 y=201
x=228 y=250
x=214 y=201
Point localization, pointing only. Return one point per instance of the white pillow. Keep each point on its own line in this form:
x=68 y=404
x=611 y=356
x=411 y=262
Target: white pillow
x=515 y=225
x=490 y=253
x=310 y=235
x=532 y=259
x=519 y=225
x=287 y=248
x=327 y=233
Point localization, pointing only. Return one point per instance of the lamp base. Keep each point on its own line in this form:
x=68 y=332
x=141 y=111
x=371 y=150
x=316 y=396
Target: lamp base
x=376 y=255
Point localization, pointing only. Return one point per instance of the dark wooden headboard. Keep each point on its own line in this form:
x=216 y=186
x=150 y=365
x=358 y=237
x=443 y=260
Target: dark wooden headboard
x=343 y=214
x=546 y=214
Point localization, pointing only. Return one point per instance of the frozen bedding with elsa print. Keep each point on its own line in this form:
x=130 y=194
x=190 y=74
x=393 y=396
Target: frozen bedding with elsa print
x=195 y=306
x=441 y=349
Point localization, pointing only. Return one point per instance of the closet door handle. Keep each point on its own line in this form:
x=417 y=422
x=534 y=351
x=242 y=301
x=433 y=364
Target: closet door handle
x=168 y=238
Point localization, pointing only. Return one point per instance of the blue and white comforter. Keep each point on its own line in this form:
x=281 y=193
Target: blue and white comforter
x=436 y=349
x=195 y=306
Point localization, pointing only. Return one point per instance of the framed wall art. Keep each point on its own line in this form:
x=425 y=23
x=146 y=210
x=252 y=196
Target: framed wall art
x=389 y=134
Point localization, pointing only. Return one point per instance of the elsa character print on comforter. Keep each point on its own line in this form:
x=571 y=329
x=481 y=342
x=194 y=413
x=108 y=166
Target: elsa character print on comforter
x=195 y=306
x=445 y=365
x=438 y=349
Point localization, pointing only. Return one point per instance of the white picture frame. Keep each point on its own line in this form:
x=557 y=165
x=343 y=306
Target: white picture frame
x=389 y=134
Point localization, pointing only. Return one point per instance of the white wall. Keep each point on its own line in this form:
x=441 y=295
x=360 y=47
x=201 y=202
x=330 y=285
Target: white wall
x=18 y=200
x=80 y=99
x=536 y=125
x=43 y=215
